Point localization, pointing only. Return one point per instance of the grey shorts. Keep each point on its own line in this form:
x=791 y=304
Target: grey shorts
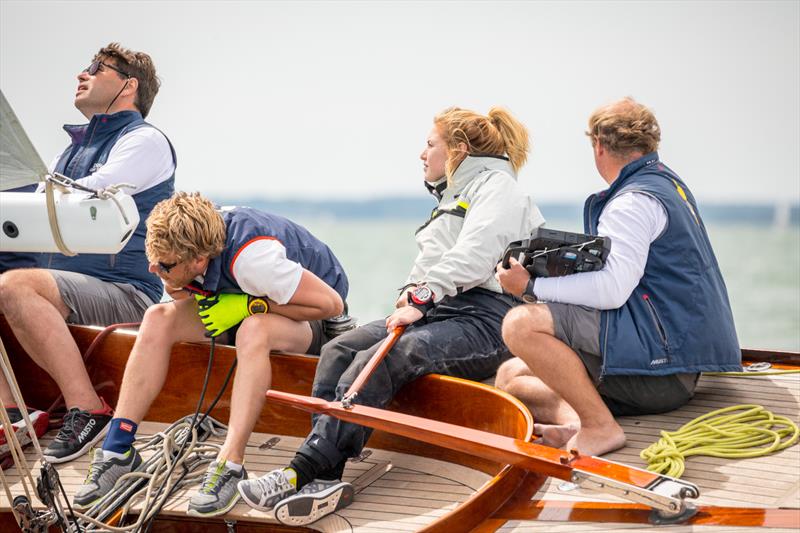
x=578 y=327
x=99 y=303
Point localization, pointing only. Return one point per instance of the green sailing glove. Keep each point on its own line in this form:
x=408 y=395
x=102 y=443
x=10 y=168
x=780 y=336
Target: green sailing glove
x=221 y=312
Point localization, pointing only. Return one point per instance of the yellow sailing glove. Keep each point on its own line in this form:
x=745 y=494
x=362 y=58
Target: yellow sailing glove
x=221 y=312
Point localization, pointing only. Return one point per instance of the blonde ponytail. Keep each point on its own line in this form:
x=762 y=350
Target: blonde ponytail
x=497 y=134
x=514 y=134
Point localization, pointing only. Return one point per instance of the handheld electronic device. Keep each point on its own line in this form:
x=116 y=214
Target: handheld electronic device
x=548 y=253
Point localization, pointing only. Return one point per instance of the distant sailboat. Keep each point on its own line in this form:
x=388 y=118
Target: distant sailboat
x=782 y=215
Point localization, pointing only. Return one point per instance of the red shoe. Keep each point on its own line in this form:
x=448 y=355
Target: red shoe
x=39 y=419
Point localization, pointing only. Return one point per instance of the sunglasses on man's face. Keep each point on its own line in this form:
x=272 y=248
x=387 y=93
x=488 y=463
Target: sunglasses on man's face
x=95 y=66
x=166 y=267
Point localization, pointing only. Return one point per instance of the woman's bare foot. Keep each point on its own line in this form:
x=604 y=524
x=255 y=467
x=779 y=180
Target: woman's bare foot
x=597 y=440
x=555 y=436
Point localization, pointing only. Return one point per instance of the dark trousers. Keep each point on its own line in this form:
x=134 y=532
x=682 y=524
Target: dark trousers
x=459 y=337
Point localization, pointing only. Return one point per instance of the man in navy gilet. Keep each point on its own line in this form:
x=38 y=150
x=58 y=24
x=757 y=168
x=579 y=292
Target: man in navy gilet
x=240 y=275
x=633 y=337
x=115 y=92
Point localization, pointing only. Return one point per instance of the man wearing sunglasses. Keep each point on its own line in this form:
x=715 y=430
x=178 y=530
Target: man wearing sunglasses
x=115 y=93
x=241 y=276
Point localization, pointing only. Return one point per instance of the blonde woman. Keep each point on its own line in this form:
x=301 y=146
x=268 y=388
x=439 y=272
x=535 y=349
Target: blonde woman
x=451 y=304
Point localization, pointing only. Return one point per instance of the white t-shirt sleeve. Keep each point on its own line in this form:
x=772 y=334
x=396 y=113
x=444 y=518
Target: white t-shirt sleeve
x=633 y=221
x=261 y=268
x=141 y=157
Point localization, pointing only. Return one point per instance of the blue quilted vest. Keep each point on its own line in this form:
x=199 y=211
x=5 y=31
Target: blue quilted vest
x=678 y=319
x=245 y=224
x=91 y=144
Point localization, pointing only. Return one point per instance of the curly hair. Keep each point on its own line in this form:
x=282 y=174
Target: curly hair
x=185 y=226
x=624 y=127
x=136 y=65
x=498 y=133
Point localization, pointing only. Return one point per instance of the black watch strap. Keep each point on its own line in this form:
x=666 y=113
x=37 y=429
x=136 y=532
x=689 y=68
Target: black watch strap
x=528 y=296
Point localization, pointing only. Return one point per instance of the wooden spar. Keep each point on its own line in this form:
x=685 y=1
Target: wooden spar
x=541 y=459
x=373 y=363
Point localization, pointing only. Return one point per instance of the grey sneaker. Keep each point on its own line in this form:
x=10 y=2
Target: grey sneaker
x=218 y=493
x=264 y=492
x=314 y=501
x=103 y=475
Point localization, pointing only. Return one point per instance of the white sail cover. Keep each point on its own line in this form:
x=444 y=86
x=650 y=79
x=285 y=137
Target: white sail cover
x=20 y=163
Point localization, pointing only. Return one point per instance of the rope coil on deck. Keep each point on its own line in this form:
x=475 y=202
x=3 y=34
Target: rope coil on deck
x=736 y=432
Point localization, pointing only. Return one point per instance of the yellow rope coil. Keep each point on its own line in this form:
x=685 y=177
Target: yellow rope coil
x=735 y=432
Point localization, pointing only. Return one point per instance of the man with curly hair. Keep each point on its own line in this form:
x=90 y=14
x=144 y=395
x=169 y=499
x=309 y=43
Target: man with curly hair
x=240 y=275
x=115 y=93
x=633 y=337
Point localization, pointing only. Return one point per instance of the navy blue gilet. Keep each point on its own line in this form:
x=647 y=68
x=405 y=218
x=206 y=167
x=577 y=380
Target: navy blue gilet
x=245 y=224
x=678 y=319
x=91 y=144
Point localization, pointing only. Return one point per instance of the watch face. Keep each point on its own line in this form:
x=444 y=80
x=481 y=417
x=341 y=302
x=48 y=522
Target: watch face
x=422 y=295
x=257 y=305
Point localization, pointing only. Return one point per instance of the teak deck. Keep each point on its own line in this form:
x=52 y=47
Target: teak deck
x=764 y=482
x=437 y=489
x=414 y=493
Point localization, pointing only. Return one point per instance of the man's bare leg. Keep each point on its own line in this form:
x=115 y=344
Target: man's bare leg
x=257 y=336
x=556 y=421
x=32 y=305
x=146 y=370
x=529 y=334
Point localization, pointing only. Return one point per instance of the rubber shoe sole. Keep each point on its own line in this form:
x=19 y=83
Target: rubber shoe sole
x=84 y=507
x=216 y=512
x=85 y=448
x=305 y=508
x=40 y=421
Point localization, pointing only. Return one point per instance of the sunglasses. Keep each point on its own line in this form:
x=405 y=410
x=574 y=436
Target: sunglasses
x=166 y=267
x=95 y=66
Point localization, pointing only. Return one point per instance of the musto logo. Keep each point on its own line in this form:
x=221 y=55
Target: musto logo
x=86 y=430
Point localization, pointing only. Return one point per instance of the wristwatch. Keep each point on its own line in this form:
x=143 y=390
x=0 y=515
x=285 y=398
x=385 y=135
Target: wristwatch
x=421 y=298
x=528 y=296
x=257 y=306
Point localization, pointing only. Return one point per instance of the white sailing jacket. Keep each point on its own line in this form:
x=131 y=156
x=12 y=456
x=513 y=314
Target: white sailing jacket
x=479 y=214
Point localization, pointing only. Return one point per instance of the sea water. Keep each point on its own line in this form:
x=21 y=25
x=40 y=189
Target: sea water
x=760 y=264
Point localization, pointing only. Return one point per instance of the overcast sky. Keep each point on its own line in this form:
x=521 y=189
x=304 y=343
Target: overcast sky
x=335 y=99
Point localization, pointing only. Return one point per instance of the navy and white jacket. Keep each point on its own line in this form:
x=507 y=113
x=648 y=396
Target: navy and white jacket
x=89 y=150
x=264 y=255
x=678 y=319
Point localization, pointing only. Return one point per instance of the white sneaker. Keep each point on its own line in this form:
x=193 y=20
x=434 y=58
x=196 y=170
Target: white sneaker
x=264 y=492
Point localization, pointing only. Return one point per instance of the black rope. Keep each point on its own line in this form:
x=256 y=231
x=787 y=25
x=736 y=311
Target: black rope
x=147 y=509
x=200 y=423
x=192 y=426
x=69 y=505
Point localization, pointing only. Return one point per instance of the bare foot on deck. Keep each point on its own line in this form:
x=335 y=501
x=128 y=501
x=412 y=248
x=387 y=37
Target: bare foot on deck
x=553 y=435
x=597 y=440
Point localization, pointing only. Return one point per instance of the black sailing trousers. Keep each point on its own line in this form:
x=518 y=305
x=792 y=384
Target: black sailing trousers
x=459 y=337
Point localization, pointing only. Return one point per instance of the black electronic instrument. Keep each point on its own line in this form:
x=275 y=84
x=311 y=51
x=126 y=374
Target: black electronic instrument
x=549 y=253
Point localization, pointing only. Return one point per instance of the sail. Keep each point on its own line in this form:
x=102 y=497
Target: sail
x=20 y=163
